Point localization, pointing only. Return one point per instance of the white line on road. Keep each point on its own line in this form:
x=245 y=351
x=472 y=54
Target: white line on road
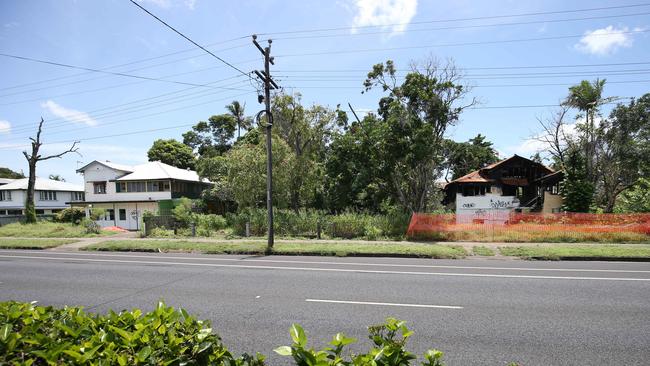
x=398 y=265
x=316 y=269
x=385 y=304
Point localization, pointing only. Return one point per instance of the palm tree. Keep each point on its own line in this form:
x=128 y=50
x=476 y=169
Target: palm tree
x=236 y=109
x=587 y=97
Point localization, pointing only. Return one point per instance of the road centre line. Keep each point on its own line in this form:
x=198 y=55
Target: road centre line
x=385 y=304
x=329 y=269
x=337 y=263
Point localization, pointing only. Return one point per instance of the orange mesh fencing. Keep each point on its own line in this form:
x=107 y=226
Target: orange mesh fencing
x=531 y=227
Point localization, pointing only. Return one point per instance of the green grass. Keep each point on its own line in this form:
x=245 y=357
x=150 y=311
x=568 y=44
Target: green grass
x=32 y=243
x=340 y=248
x=481 y=250
x=46 y=229
x=558 y=252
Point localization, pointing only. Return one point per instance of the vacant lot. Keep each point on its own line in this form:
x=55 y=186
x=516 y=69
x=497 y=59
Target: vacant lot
x=47 y=230
x=32 y=243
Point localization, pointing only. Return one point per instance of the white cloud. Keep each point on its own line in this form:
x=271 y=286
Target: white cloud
x=605 y=41
x=5 y=127
x=389 y=14
x=68 y=114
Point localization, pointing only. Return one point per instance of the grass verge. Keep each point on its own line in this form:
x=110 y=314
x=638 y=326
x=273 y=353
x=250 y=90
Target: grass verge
x=481 y=250
x=32 y=243
x=287 y=248
x=580 y=252
x=45 y=229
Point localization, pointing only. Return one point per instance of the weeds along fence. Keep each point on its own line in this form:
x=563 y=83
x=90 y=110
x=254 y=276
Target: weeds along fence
x=10 y=219
x=531 y=227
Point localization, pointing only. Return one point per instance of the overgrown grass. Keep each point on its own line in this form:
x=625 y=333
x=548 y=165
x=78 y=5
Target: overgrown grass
x=512 y=235
x=481 y=250
x=32 y=243
x=558 y=252
x=46 y=229
x=340 y=248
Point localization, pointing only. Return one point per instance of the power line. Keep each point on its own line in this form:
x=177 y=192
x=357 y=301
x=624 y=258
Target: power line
x=458 y=19
x=139 y=117
x=482 y=68
x=121 y=111
x=96 y=70
x=463 y=27
x=476 y=43
x=135 y=62
x=189 y=39
x=101 y=88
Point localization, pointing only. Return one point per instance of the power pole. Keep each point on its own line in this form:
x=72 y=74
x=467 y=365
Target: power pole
x=269 y=84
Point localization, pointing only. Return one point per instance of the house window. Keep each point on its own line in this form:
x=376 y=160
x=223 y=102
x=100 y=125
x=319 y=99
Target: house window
x=78 y=196
x=40 y=212
x=555 y=189
x=14 y=212
x=99 y=187
x=136 y=187
x=122 y=212
x=476 y=190
x=110 y=214
x=47 y=195
x=5 y=195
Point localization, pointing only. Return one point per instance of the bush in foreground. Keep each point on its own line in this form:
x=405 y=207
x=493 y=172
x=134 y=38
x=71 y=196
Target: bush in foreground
x=38 y=335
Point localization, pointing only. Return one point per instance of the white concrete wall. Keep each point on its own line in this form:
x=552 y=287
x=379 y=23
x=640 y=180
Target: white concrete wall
x=100 y=173
x=18 y=201
x=492 y=208
x=134 y=212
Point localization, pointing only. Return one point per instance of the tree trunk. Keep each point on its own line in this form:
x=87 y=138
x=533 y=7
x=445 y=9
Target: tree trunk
x=30 y=208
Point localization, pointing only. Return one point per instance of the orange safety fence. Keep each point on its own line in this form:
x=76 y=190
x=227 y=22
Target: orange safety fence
x=530 y=227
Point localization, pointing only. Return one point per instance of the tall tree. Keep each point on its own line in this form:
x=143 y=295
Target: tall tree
x=587 y=97
x=172 y=152
x=237 y=110
x=307 y=131
x=416 y=115
x=212 y=137
x=8 y=173
x=464 y=157
x=32 y=160
x=554 y=137
x=623 y=150
x=576 y=189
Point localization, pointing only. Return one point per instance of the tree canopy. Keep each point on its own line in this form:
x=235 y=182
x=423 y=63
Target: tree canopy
x=8 y=173
x=172 y=152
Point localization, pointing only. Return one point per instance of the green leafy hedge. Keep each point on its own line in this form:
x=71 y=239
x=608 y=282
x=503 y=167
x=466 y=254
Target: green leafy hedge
x=37 y=335
x=44 y=335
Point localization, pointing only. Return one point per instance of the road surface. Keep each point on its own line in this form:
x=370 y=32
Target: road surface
x=479 y=312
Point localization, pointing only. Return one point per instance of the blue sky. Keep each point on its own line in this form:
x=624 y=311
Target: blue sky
x=326 y=67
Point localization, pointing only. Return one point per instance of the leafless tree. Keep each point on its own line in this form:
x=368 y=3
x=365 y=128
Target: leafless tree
x=554 y=135
x=32 y=159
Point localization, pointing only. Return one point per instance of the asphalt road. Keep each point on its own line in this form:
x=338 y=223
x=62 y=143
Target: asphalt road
x=479 y=312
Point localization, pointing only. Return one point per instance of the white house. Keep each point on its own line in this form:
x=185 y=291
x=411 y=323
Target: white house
x=50 y=196
x=126 y=192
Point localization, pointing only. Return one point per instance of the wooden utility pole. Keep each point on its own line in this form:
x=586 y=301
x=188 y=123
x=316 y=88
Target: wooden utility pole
x=269 y=84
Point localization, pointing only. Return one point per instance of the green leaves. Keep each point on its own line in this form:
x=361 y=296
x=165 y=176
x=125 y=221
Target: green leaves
x=389 y=339
x=45 y=335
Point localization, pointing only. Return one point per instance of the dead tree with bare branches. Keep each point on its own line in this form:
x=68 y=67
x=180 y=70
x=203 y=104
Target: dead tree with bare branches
x=32 y=159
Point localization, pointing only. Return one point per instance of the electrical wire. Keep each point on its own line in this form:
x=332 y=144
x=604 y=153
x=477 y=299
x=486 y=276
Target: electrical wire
x=188 y=38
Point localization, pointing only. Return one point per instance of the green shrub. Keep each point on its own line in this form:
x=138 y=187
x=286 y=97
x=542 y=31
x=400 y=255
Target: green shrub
x=210 y=222
x=97 y=213
x=91 y=226
x=183 y=212
x=71 y=214
x=389 y=348
x=347 y=225
x=38 y=335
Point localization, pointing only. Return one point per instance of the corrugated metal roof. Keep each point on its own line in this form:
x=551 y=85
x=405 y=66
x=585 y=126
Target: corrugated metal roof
x=6 y=180
x=158 y=170
x=42 y=185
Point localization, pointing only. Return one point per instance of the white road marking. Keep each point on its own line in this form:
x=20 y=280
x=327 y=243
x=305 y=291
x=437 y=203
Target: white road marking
x=398 y=265
x=330 y=269
x=385 y=304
